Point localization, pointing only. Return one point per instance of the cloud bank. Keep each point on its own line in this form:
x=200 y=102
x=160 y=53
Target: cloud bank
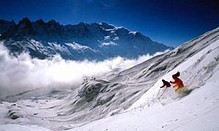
x=23 y=73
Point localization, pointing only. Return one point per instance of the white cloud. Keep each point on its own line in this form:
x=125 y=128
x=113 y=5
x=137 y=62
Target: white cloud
x=22 y=73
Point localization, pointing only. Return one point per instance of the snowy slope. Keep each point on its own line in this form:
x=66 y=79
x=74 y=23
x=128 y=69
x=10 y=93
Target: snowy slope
x=128 y=100
x=14 y=127
x=197 y=111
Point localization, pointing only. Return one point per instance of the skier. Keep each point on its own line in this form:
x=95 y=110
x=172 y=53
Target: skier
x=178 y=83
x=165 y=84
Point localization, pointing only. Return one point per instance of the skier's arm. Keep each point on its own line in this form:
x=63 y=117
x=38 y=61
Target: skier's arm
x=172 y=82
x=162 y=86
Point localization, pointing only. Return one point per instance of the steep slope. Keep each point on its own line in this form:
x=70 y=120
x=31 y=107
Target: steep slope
x=197 y=111
x=199 y=70
x=95 y=41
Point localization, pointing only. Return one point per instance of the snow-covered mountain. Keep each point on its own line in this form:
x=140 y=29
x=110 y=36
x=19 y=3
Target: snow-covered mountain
x=96 y=41
x=130 y=100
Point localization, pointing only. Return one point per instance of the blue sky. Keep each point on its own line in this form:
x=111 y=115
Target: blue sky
x=171 y=22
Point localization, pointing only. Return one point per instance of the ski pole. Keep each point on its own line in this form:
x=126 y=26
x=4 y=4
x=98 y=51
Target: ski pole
x=158 y=92
x=162 y=92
